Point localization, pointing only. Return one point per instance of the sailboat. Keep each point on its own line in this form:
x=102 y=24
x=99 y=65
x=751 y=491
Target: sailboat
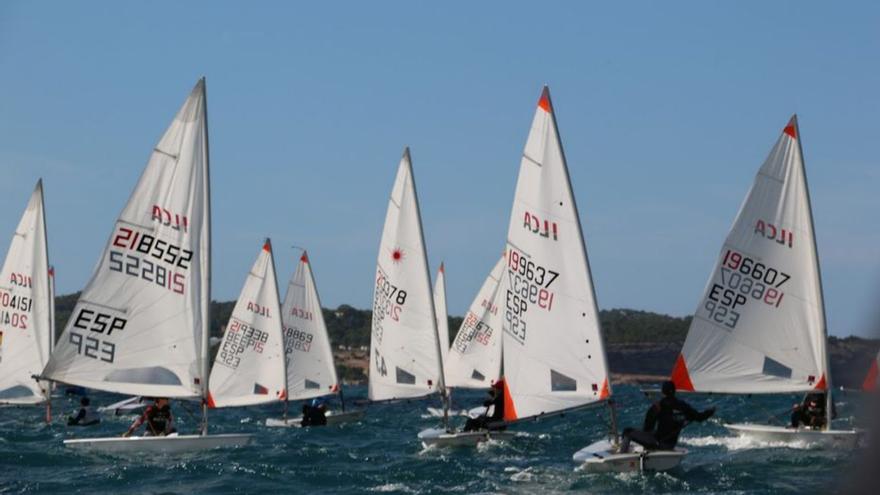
x=140 y=326
x=405 y=350
x=474 y=358
x=249 y=366
x=473 y=362
x=870 y=383
x=26 y=309
x=760 y=326
x=311 y=371
x=553 y=359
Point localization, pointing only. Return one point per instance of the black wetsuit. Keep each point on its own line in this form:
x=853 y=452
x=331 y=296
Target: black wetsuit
x=812 y=417
x=85 y=417
x=664 y=422
x=486 y=422
x=313 y=416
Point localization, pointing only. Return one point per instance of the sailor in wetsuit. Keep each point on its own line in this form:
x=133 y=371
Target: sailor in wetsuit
x=495 y=421
x=811 y=413
x=86 y=416
x=663 y=422
x=158 y=419
x=314 y=414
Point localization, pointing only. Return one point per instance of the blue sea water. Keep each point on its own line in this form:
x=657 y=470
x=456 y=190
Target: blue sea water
x=381 y=454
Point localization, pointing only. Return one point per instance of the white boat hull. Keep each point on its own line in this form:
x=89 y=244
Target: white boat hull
x=333 y=418
x=171 y=444
x=442 y=438
x=602 y=457
x=843 y=439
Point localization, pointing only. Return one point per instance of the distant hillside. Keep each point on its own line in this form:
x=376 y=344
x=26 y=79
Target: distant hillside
x=350 y=326
x=638 y=342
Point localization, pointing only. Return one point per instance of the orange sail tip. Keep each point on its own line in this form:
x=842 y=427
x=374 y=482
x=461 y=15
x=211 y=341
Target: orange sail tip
x=509 y=408
x=544 y=102
x=871 y=380
x=605 y=393
x=680 y=375
x=305 y=257
x=442 y=270
x=821 y=385
x=211 y=401
x=267 y=246
x=51 y=271
x=791 y=127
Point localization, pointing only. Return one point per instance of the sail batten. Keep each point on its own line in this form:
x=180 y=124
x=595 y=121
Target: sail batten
x=553 y=355
x=760 y=325
x=151 y=286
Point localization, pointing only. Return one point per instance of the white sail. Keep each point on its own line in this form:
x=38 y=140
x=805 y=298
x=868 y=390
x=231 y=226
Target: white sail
x=871 y=382
x=759 y=327
x=554 y=358
x=140 y=325
x=310 y=368
x=475 y=356
x=442 y=312
x=404 y=361
x=249 y=365
x=25 y=309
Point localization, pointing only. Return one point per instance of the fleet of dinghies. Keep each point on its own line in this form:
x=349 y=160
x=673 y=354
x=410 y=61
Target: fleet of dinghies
x=140 y=326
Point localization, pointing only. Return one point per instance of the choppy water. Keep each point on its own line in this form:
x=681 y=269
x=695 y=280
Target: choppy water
x=380 y=454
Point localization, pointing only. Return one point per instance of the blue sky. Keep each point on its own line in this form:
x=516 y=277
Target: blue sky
x=666 y=111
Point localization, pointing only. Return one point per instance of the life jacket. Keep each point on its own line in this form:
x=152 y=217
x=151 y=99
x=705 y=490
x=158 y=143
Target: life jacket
x=159 y=421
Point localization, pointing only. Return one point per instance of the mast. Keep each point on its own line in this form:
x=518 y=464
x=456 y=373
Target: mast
x=441 y=378
x=206 y=301
x=829 y=403
x=49 y=294
x=444 y=393
x=283 y=331
x=577 y=217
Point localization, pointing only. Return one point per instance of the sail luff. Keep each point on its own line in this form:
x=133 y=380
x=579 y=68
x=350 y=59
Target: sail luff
x=206 y=275
x=441 y=385
x=829 y=408
x=50 y=343
x=277 y=308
